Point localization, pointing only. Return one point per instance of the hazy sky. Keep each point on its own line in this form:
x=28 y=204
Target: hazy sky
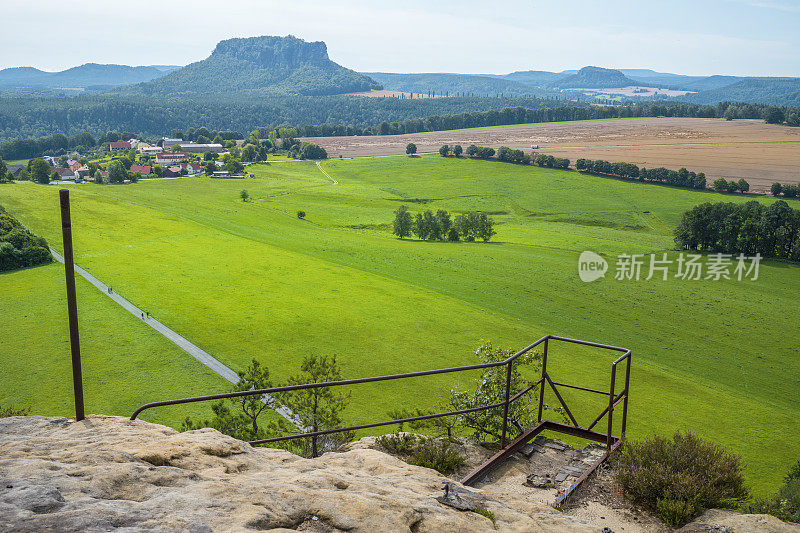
x=743 y=37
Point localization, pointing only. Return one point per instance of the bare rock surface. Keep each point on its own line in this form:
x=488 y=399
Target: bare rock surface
x=108 y=473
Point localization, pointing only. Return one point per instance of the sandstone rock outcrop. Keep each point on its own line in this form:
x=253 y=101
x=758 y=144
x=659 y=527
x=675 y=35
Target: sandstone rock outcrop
x=106 y=473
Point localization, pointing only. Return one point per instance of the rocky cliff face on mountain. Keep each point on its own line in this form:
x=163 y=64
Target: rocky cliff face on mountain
x=261 y=65
x=107 y=473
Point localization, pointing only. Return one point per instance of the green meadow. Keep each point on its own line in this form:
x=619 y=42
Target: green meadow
x=251 y=280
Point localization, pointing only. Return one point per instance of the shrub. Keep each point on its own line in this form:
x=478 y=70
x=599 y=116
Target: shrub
x=301 y=214
x=681 y=476
x=439 y=456
x=399 y=443
x=793 y=473
x=785 y=504
x=419 y=451
x=485 y=512
x=11 y=411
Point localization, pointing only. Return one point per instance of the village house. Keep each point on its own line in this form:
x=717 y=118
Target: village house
x=145 y=170
x=194 y=148
x=150 y=150
x=192 y=169
x=166 y=142
x=121 y=145
x=64 y=173
x=171 y=157
x=73 y=165
x=82 y=172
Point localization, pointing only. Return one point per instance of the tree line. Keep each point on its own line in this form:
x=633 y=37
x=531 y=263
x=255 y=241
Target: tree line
x=678 y=178
x=787 y=191
x=442 y=227
x=23 y=118
x=748 y=228
x=19 y=248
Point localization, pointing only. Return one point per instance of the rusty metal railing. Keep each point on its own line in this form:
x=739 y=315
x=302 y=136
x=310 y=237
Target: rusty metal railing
x=545 y=378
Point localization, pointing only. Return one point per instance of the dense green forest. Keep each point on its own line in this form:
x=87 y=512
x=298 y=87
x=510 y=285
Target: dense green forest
x=28 y=117
x=345 y=115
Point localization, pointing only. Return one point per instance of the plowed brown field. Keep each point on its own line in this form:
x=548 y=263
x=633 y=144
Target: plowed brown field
x=760 y=153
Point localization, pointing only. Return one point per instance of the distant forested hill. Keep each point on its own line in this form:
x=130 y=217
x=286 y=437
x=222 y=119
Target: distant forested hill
x=453 y=84
x=262 y=65
x=594 y=78
x=772 y=91
x=88 y=75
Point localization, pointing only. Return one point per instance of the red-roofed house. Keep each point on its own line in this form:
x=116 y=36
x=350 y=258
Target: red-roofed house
x=123 y=145
x=171 y=157
x=144 y=170
x=172 y=172
x=191 y=168
x=74 y=165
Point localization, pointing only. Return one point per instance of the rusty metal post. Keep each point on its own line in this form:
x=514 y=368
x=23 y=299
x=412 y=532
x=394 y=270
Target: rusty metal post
x=544 y=373
x=627 y=392
x=505 y=405
x=72 y=304
x=609 y=438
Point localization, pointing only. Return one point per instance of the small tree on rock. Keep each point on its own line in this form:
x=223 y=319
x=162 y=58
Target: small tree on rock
x=319 y=408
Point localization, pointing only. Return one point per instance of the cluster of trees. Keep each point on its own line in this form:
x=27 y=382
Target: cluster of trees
x=787 y=191
x=748 y=228
x=677 y=178
x=19 y=248
x=512 y=155
x=544 y=160
x=441 y=227
x=446 y=150
x=480 y=152
x=723 y=185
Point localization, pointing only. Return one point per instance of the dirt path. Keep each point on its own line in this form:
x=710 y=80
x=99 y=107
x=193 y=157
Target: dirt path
x=180 y=341
x=319 y=166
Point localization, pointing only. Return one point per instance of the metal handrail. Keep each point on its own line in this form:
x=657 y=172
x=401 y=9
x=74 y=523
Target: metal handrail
x=356 y=381
x=508 y=400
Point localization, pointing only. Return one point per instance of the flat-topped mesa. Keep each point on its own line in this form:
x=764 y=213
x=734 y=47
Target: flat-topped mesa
x=266 y=65
x=272 y=52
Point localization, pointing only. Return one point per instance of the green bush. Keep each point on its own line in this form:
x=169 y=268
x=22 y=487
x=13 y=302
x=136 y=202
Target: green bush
x=19 y=248
x=419 y=451
x=483 y=511
x=681 y=476
x=439 y=456
x=399 y=443
x=786 y=503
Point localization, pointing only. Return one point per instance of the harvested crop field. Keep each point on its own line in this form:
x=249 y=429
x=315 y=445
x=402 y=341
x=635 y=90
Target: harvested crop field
x=760 y=153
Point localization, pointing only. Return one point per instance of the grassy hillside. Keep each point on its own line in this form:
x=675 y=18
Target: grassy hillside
x=247 y=280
